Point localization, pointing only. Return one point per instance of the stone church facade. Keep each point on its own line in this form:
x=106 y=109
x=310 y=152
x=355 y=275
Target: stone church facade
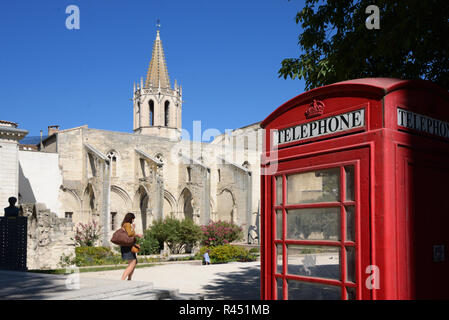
x=154 y=173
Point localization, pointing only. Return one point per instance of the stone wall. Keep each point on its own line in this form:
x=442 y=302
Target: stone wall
x=49 y=237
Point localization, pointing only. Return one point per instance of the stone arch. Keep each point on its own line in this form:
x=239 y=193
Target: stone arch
x=169 y=205
x=89 y=204
x=185 y=205
x=120 y=205
x=226 y=208
x=142 y=209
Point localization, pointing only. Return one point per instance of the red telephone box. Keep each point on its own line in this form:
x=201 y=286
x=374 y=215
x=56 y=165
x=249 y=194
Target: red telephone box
x=355 y=193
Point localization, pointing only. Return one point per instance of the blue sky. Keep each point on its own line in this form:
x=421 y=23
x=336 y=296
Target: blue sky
x=225 y=54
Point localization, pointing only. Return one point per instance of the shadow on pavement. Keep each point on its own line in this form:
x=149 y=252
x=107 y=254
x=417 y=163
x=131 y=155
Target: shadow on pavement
x=241 y=285
x=23 y=285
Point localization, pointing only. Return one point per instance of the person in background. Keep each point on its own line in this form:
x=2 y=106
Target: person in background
x=12 y=210
x=206 y=257
x=129 y=226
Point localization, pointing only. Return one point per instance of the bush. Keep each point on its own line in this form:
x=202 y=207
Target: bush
x=220 y=233
x=227 y=253
x=177 y=234
x=149 y=243
x=93 y=256
x=86 y=235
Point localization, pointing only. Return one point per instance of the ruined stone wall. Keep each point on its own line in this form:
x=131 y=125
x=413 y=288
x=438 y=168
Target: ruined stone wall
x=49 y=237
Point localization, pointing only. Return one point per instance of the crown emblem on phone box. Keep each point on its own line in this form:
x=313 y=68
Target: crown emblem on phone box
x=316 y=108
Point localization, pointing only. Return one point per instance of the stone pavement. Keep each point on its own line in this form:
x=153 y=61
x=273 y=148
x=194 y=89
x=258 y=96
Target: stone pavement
x=172 y=281
x=230 y=281
x=33 y=286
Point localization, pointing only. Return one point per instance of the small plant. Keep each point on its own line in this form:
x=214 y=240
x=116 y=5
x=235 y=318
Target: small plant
x=67 y=260
x=220 y=233
x=87 y=234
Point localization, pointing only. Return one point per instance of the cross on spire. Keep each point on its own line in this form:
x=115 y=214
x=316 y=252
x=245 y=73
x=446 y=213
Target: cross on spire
x=158 y=24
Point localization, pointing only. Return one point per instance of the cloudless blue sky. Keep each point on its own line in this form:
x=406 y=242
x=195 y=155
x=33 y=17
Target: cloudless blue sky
x=225 y=54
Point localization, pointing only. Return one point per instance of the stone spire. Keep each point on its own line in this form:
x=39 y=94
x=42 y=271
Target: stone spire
x=157 y=107
x=157 y=71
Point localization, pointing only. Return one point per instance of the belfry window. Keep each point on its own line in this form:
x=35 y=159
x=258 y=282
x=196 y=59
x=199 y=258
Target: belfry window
x=166 y=113
x=151 y=112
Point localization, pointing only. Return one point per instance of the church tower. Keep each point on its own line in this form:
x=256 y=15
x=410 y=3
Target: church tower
x=157 y=107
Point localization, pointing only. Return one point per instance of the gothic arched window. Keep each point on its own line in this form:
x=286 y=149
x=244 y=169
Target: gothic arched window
x=151 y=112
x=112 y=155
x=167 y=113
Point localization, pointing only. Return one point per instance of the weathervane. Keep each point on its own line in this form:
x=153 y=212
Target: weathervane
x=158 y=24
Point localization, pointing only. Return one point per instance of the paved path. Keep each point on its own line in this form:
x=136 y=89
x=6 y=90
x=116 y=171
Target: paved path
x=222 y=281
x=34 y=286
x=235 y=280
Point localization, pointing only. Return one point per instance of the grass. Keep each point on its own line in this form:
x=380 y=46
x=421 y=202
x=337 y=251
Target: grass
x=90 y=269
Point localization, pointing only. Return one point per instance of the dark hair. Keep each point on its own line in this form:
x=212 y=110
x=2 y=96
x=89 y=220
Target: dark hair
x=12 y=200
x=128 y=218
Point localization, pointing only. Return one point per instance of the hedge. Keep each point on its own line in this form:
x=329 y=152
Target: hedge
x=228 y=253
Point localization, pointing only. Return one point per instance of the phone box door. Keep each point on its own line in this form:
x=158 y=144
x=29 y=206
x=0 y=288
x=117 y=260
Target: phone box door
x=320 y=236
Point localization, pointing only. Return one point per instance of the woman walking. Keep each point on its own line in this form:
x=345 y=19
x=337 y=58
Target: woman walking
x=127 y=254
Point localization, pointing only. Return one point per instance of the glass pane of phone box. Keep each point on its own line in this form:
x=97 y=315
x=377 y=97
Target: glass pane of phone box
x=300 y=290
x=314 y=187
x=314 y=261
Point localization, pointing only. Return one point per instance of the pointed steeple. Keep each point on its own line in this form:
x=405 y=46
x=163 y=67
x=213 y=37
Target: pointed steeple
x=157 y=107
x=157 y=75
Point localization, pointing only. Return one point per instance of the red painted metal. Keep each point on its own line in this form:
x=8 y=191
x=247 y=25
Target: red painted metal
x=401 y=159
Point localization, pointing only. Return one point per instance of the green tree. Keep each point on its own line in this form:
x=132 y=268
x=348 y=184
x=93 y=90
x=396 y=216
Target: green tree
x=336 y=45
x=149 y=244
x=177 y=234
x=189 y=233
